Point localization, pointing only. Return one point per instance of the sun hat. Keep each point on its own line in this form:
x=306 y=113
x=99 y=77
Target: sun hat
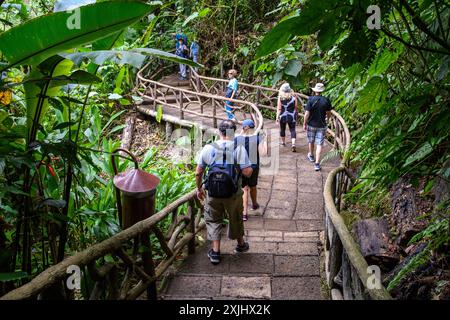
x=319 y=87
x=248 y=123
x=285 y=87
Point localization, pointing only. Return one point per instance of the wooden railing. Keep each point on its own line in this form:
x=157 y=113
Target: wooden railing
x=347 y=272
x=262 y=97
x=181 y=99
x=125 y=278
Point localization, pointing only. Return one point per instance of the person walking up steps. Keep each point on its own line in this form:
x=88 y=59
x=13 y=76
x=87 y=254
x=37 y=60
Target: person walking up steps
x=194 y=51
x=287 y=113
x=183 y=52
x=231 y=92
x=318 y=110
x=253 y=146
x=224 y=164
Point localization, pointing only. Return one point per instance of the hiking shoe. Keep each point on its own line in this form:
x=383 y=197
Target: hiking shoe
x=242 y=248
x=311 y=157
x=293 y=149
x=245 y=217
x=213 y=256
x=317 y=166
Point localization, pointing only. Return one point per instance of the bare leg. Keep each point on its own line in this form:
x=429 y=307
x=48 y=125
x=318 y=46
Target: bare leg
x=283 y=140
x=318 y=152
x=311 y=148
x=253 y=195
x=245 y=199
x=216 y=245
x=241 y=241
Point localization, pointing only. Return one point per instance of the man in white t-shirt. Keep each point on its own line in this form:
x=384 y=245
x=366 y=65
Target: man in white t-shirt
x=225 y=164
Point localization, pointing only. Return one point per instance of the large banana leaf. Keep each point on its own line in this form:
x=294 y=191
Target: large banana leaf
x=45 y=36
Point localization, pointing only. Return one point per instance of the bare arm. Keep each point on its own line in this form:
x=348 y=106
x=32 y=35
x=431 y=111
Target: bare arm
x=305 y=123
x=328 y=115
x=278 y=109
x=198 y=180
x=263 y=147
x=247 y=172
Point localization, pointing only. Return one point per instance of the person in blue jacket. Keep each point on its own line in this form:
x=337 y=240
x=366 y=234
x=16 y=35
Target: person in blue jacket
x=194 y=51
x=183 y=52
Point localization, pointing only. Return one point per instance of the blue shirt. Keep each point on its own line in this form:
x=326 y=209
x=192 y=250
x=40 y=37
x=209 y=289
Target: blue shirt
x=251 y=144
x=194 y=48
x=233 y=84
x=179 y=51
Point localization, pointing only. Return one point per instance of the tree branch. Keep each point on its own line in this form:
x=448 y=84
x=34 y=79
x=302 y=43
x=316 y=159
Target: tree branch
x=418 y=22
x=409 y=45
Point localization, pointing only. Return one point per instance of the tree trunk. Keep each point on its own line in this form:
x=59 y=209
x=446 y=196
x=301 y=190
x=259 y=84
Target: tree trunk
x=372 y=236
x=128 y=132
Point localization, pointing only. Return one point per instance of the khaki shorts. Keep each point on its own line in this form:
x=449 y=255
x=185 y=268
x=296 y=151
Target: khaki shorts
x=216 y=210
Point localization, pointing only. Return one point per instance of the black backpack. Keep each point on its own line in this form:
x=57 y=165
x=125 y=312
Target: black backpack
x=222 y=180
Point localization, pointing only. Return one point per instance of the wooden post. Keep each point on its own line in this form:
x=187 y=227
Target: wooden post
x=258 y=97
x=198 y=84
x=346 y=278
x=169 y=130
x=181 y=106
x=191 y=227
x=336 y=130
x=335 y=257
x=154 y=96
x=149 y=266
x=214 y=113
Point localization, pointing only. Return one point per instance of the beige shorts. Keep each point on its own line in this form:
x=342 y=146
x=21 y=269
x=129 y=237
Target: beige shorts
x=216 y=210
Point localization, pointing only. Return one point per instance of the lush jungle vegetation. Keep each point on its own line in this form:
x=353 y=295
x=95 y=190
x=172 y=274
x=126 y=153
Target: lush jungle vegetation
x=64 y=94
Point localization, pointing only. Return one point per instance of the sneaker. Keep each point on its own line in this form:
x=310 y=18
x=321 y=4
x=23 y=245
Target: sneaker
x=294 y=149
x=242 y=248
x=245 y=217
x=213 y=256
x=317 y=166
x=282 y=144
x=311 y=157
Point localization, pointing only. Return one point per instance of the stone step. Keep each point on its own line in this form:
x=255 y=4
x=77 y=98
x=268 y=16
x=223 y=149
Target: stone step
x=243 y=287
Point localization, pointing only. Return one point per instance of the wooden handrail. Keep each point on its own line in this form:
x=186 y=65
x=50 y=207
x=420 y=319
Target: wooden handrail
x=144 y=82
x=112 y=245
x=345 y=242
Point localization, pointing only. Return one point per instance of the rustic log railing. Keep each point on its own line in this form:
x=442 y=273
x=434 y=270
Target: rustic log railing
x=347 y=272
x=263 y=97
x=125 y=278
x=182 y=99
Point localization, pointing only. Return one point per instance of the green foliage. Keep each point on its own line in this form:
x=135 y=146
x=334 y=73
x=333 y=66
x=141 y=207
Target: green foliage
x=437 y=236
x=43 y=37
